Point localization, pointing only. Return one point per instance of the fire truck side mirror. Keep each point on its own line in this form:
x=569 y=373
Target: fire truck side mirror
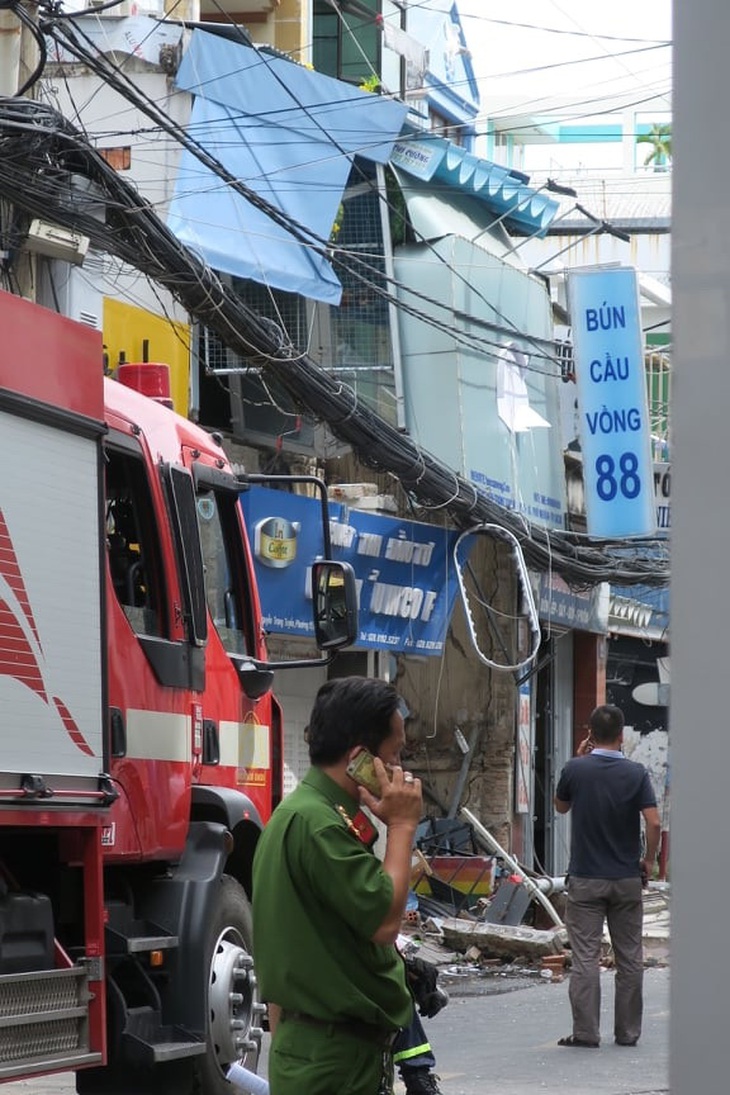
x=334 y=598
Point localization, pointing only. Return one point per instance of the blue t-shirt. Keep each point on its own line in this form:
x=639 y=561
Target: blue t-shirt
x=606 y=796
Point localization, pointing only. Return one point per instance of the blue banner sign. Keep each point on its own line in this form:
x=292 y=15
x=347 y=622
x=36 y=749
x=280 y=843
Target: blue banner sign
x=613 y=402
x=573 y=609
x=404 y=570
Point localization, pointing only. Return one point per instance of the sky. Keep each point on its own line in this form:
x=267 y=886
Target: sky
x=528 y=52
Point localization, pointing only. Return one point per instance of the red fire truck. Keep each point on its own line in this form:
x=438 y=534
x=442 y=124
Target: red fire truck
x=141 y=749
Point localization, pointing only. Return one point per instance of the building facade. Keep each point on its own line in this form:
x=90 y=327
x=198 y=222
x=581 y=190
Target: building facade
x=386 y=252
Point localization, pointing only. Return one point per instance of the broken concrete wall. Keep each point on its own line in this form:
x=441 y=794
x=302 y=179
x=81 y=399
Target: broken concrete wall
x=652 y=750
x=458 y=690
x=503 y=940
x=463 y=692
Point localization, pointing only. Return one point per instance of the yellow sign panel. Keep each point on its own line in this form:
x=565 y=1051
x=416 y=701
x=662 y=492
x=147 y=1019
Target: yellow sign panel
x=253 y=744
x=133 y=334
x=247 y=777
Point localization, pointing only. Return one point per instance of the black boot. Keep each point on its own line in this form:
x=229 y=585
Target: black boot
x=420 y=1081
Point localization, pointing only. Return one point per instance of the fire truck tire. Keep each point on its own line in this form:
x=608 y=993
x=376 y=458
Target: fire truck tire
x=234 y=1011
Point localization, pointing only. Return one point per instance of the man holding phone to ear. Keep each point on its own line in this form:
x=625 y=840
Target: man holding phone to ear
x=608 y=795
x=327 y=912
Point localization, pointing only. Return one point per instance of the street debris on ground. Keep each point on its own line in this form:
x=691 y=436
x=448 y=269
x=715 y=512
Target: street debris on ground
x=489 y=925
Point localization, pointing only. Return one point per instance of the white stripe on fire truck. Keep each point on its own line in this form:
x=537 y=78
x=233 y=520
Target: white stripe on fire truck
x=159 y=735
x=244 y=745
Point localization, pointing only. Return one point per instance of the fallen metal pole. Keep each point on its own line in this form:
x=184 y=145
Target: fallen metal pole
x=497 y=848
x=549 y=886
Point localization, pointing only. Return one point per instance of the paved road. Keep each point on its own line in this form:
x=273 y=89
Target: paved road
x=505 y=1044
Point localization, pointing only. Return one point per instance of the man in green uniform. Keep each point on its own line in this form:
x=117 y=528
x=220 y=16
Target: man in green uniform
x=327 y=912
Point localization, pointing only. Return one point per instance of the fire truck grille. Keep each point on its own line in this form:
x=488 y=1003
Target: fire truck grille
x=43 y=1015
x=36 y=1040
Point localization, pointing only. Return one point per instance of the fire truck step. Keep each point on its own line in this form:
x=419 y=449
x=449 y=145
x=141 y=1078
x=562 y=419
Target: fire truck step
x=138 y=937
x=148 y=1042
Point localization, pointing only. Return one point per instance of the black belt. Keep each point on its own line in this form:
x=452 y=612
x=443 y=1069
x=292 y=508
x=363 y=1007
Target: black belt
x=366 y=1031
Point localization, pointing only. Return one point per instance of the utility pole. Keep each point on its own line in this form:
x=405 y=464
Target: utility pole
x=29 y=51
x=700 y=713
x=19 y=58
x=10 y=36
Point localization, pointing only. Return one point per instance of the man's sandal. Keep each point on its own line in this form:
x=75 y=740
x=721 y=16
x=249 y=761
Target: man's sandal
x=576 y=1043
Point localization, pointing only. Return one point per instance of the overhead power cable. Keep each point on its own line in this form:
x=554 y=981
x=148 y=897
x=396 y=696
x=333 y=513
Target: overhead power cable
x=542 y=357
x=372 y=277
x=45 y=168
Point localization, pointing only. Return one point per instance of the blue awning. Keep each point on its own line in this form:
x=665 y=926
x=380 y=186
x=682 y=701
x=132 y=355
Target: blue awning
x=504 y=191
x=289 y=134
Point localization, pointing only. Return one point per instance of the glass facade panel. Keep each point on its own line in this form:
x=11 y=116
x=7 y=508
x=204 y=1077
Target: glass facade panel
x=346 y=43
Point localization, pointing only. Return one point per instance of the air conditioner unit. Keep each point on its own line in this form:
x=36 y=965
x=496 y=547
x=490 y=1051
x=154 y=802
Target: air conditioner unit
x=74 y=291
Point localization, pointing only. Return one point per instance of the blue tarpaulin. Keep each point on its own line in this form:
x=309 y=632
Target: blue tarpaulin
x=287 y=133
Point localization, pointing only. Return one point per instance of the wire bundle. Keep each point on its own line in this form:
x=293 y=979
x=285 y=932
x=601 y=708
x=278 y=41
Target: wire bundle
x=46 y=166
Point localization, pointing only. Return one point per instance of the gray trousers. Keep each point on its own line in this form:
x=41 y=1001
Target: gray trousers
x=591 y=903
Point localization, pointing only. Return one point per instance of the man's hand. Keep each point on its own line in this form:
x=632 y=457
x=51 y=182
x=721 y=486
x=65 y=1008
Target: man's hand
x=586 y=746
x=273 y=1012
x=401 y=800
x=422 y=977
x=400 y=807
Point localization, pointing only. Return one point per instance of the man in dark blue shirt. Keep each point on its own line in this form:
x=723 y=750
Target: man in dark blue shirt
x=608 y=795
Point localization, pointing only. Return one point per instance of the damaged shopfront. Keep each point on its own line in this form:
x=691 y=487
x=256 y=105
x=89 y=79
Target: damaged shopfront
x=481 y=737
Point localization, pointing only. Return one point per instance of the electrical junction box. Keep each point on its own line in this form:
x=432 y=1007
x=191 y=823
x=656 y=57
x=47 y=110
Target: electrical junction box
x=56 y=242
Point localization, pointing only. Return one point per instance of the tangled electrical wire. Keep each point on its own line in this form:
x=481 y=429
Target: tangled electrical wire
x=483 y=336
x=49 y=170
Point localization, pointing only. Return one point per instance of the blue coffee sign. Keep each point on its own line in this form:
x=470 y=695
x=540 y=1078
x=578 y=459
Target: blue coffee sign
x=613 y=403
x=404 y=570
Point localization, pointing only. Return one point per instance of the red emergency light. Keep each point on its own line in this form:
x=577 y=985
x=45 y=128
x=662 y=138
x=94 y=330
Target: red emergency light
x=149 y=378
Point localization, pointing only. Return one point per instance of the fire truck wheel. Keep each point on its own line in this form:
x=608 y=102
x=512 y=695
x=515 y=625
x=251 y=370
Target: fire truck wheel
x=234 y=1010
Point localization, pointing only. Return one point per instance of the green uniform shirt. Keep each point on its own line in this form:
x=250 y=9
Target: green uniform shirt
x=319 y=894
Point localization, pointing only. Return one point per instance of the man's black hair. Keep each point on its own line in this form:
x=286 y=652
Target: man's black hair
x=350 y=711
x=607 y=722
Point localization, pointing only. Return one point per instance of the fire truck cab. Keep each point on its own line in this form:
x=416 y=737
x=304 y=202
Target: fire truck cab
x=142 y=744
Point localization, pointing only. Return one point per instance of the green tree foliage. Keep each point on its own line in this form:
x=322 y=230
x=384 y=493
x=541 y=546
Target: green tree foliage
x=372 y=83
x=660 y=153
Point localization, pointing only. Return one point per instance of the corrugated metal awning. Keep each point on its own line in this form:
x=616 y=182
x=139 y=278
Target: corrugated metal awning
x=506 y=192
x=641 y=611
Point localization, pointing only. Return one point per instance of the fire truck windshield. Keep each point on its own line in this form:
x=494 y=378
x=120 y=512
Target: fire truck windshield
x=224 y=568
